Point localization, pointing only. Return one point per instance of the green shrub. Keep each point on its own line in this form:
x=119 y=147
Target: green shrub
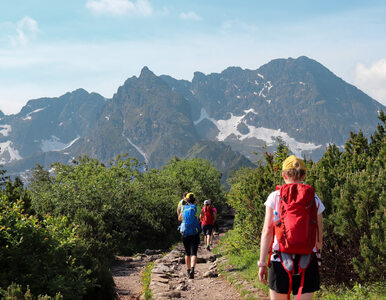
x=39 y=253
x=16 y=292
x=351 y=185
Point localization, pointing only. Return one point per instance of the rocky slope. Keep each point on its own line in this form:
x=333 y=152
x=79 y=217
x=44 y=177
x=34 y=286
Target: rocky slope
x=155 y=118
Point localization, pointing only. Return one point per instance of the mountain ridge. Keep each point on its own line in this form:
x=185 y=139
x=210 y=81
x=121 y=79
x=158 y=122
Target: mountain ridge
x=155 y=118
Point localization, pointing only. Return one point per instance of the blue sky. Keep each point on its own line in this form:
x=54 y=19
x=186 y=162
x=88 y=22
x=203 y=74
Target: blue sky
x=48 y=48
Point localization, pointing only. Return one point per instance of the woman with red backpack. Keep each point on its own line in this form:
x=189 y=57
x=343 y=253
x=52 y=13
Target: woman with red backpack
x=292 y=233
x=208 y=217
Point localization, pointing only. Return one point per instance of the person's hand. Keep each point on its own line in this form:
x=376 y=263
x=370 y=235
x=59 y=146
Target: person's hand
x=263 y=275
x=263 y=272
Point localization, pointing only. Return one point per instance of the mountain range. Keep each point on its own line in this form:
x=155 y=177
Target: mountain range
x=229 y=118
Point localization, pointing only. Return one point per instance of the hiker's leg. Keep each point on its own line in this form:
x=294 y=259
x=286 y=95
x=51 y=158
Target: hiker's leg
x=276 y=296
x=193 y=261
x=306 y=296
x=205 y=232
x=195 y=243
x=187 y=245
x=210 y=228
x=188 y=260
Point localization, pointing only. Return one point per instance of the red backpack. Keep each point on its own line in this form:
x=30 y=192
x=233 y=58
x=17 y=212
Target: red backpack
x=208 y=215
x=296 y=227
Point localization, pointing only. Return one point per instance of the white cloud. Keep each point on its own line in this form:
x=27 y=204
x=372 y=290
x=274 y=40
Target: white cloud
x=372 y=79
x=26 y=30
x=120 y=7
x=191 y=15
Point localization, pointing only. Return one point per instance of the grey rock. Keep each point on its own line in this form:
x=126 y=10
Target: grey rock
x=210 y=274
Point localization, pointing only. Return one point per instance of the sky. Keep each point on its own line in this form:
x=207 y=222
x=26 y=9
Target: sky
x=50 y=47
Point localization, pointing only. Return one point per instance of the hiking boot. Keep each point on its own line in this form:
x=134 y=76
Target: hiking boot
x=191 y=273
x=188 y=273
x=208 y=247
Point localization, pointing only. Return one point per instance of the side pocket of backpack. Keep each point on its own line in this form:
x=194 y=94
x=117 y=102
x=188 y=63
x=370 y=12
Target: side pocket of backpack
x=182 y=228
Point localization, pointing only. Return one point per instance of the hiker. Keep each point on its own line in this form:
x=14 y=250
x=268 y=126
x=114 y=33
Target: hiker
x=190 y=230
x=208 y=217
x=293 y=229
x=181 y=204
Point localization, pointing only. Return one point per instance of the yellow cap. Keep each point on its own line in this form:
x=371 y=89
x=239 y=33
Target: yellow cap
x=189 y=195
x=293 y=162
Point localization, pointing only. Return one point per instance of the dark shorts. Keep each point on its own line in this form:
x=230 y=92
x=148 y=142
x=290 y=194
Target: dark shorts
x=191 y=243
x=279 y=280
x=207 y=229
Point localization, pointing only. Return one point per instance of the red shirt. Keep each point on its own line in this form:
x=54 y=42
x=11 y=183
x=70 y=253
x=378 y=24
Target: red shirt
x=202 y=219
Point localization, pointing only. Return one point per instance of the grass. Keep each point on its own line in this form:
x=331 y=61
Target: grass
x=374 y=291
x=244 y=267
x=145 y=278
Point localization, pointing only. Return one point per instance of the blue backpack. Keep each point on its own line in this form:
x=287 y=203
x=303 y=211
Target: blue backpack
x=189 y=225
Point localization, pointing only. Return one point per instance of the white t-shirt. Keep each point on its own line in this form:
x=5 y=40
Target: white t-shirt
x=271 y=203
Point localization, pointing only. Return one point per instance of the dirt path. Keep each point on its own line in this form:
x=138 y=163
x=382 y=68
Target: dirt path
x=170 y=281
x=127 y=272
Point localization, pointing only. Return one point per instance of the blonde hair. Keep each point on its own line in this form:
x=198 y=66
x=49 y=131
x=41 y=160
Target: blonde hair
x=296 y=174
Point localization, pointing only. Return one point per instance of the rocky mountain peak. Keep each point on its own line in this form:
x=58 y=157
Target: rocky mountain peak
x=146 y=73
x=79 y=92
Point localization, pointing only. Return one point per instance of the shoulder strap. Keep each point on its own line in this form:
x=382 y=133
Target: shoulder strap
x=275 y=214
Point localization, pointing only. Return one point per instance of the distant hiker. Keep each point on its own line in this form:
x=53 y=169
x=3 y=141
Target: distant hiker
x=182 y=203
x=190 y=230
x=208 y=217
x=293 y=226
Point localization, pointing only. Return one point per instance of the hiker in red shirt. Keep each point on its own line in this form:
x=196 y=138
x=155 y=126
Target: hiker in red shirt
x=292 y=232
x=208 y=217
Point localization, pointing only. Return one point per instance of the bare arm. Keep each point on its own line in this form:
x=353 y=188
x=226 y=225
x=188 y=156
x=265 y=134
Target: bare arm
x=265 y=243
x=178 y=210
x=201 y=216
x=319 y=237
x=266 y=234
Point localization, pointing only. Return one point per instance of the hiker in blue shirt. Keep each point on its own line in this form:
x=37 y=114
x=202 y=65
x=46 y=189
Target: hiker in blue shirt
x=190 y=230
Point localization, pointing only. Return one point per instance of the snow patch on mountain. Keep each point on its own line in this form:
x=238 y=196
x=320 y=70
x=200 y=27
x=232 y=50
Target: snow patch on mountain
x=229 y=127
x=5 y=129
x=8 y=153
x=267 y=87
x=28 y=116
x=137 y=148
x=54 y=144
x=203 y=115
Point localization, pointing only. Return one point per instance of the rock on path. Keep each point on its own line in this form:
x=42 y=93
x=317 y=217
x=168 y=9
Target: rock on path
x=170 y=281
x=127 y=272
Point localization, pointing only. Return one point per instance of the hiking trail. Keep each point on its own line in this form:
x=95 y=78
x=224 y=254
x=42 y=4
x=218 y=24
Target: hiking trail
x=170 y=281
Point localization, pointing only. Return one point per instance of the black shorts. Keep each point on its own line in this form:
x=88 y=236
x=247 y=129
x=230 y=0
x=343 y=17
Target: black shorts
x=279 y=280
x=207 y=229
x=191 y=243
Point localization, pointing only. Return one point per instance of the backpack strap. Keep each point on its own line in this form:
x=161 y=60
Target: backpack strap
x=287 y=262
x=274 y=215
x=304 y=262
x=288 y=265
